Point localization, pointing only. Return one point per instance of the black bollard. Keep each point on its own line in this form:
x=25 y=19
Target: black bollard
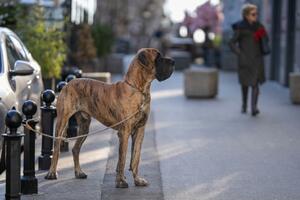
x=29 y=183
x=70 y=77
x=48 y=113
x=64 y=146
x=12 y=139
x=72 y=127
x=60 y=86
x=78 y=73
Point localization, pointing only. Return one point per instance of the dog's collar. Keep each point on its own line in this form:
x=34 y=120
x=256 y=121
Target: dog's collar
x=131 y=85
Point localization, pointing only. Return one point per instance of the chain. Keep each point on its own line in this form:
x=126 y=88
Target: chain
x=26 y=125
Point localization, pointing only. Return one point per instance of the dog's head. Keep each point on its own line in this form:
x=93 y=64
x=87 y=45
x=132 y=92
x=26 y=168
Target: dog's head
x=153 y=62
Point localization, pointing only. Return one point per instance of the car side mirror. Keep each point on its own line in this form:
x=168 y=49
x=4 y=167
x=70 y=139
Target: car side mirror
x=21 y=68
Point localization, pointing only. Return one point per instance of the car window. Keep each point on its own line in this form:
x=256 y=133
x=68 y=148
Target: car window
x=19 y=47
x=12 y=54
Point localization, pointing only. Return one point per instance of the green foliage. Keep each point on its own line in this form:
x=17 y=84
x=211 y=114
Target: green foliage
x=103 y=38
x=45 y=43
x=8 y=15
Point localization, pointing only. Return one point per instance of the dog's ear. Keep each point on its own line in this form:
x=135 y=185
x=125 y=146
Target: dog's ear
x=143 y=58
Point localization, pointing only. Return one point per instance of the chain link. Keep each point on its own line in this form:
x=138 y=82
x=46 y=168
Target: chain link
x=26 y=125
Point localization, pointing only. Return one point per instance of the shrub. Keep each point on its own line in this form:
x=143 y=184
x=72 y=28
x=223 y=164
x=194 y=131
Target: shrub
x=103 y=38
x=46 y=43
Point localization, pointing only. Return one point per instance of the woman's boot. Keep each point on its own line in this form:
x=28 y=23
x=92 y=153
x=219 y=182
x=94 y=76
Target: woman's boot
x=244 y=98
x=254 y=100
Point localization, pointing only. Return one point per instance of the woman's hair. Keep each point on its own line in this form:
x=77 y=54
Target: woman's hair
x=247 y=8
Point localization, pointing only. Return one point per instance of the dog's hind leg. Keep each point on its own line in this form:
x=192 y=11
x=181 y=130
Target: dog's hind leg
x=60 y=131
x=137 y=140
x=83 y=121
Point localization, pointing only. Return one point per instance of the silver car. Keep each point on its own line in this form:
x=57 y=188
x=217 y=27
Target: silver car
x=20 y=75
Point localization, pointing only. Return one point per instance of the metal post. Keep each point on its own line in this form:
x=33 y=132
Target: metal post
x=64 y=146
x=72 y=127
x=48 y=113
x=70 y=77
x=276 y=39
x=29 y=183
x=13 y=150
x=290 y=40
x=78 y=73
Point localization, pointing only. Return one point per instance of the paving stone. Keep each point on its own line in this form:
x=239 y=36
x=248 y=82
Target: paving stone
x=93 y=160
x=149 y=169
x=208 y=150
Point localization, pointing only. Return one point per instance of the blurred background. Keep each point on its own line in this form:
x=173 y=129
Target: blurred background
x=96 y=35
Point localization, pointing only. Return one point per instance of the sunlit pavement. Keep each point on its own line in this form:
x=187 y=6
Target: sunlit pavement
x=149 y=169
x=194 y=149
x=93 y=158
x=209 y=150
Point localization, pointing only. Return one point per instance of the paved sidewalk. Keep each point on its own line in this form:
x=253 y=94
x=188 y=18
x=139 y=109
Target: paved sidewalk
x=194 y=150
x=93 y=158
x=149 y=169
x=99 y=160
x=209 y=150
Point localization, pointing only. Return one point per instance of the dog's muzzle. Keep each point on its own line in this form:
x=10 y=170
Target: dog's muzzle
x=164 y=68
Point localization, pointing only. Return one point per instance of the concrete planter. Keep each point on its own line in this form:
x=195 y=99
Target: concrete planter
x=100 y=76
x=294 y=82
x=201 y=82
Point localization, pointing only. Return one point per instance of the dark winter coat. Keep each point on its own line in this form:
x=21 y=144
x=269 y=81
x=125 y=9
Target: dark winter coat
x=245 y=43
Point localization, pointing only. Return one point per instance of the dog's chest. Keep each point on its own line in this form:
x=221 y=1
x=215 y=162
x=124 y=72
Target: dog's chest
x=142 y=116
x=141 y=119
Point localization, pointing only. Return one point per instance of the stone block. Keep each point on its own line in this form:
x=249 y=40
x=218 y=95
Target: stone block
x=201 y=82
x=100 y=76
x=294 y=83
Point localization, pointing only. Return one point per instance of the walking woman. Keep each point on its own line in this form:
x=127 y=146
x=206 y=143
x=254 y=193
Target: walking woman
x=246 y=43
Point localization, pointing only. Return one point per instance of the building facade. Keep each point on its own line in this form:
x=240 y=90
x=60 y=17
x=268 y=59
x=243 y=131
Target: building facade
x=285 y=35
x=133 y=20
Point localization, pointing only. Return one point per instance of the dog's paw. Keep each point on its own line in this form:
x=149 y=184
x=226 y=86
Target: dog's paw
x=121 y=184
x=80 y=175
x=51 y=176
x=139 y=181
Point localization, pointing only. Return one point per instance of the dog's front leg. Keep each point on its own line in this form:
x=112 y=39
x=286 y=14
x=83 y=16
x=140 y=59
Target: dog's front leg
x=137 y=140
x=123 y=144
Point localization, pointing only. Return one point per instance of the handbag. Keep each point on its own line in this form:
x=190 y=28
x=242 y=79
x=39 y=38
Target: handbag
x=260 y=35
x=264 y=45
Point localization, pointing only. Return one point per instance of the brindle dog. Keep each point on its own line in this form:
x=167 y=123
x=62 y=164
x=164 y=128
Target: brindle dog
x=109 y=104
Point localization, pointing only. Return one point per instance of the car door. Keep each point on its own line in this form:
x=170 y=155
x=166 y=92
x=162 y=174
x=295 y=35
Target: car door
x=19 y=84
x=35 y=83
